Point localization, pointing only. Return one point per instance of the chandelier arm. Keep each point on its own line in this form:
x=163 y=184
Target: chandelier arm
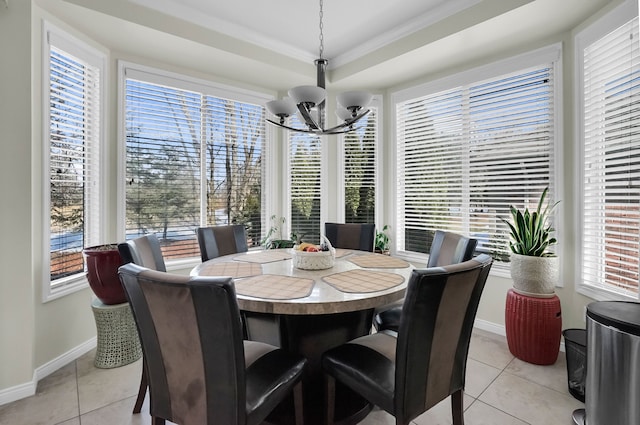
x=340 y=129
x=307 y=117
x=299 y=130
x=348 y=124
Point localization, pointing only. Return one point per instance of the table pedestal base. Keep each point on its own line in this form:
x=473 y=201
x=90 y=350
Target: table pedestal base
x=310 y=336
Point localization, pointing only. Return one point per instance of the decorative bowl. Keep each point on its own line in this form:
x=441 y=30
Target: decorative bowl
x=319 y=260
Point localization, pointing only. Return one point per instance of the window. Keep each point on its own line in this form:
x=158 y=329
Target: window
x=305 y=160
x=305 y=177
x=360 y=163
x=469 y=148
x=610 y=127
x=194 y=157
x=72 y=112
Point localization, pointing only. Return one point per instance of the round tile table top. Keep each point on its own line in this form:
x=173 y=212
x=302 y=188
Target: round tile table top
x=357 y=281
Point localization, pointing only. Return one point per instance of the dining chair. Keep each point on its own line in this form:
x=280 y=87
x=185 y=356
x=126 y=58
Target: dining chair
x=216 y=241
x=351 y=235
x=144 y=251
x=200 y=369
x=407 y=372
x=446 y=248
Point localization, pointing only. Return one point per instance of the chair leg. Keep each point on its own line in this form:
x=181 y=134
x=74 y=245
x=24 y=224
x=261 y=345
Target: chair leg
x=143 y=388
x=297 y=403
x=457 y=407
x=157 y=421
x=329 y=399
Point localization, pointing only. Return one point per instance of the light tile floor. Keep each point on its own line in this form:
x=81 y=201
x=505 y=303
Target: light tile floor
x=501 y=390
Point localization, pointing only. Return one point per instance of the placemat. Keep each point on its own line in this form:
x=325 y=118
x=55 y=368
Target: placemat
x=262 y=257
x=275 y=287
x=363 y=281
x=340 y=252
x=378 y=261
x=231 y=268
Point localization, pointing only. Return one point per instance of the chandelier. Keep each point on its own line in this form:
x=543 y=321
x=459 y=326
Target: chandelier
x=309 y=102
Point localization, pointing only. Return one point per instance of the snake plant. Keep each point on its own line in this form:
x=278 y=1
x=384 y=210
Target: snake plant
x=530 y=231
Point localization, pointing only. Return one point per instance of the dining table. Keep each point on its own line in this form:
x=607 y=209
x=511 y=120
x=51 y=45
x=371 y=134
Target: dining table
x=311 y=311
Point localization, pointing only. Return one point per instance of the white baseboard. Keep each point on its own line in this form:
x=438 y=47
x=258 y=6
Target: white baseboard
x=490 y=327
x=66 y=358
x=29 y=388
x=19 y=391
x=500 y=329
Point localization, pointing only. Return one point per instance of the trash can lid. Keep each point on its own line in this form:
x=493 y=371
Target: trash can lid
x=622 y=315
x=576 y=336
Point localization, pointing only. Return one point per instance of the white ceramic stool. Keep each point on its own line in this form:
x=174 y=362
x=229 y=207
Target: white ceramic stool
x=117 y=335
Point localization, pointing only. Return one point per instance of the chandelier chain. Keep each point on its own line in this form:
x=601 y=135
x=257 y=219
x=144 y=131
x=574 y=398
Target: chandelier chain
x=321 y=33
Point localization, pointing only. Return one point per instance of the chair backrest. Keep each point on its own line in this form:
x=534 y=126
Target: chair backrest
x=351 y=235
x=192 y=341
x=144 y=251
x=450 y=248
x=435 y=329
x=217 y=241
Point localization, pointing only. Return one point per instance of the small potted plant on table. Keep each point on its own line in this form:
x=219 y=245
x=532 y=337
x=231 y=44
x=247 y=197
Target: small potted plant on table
x=273 y=238
x=382 y=240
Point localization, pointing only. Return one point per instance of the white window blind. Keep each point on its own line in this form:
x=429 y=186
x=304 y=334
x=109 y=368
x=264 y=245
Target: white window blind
x=611 y=162
x=305 y=160
x=73 y=116
x=360 y=163
x=465 y=154
x=193 y=159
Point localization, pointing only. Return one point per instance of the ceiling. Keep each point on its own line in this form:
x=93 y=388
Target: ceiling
x=350 y=28
x=370 y=44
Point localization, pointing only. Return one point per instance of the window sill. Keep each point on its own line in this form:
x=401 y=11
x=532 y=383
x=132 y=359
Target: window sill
x=64 y=287
x=601 y=294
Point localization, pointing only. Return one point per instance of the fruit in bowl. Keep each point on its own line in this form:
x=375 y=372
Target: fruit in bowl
x=309 y=247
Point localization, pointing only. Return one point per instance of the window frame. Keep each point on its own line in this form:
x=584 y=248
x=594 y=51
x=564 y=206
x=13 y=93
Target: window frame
x=583 y=39
x=54 y=36
x=182 y=81
x=551 y=53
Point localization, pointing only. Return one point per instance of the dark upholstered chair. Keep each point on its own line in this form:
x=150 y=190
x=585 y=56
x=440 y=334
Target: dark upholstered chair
x=446 y=248
x=144 y=251
x=201 y=372
x=408 y=372
x=351 y=235
x=217 y=241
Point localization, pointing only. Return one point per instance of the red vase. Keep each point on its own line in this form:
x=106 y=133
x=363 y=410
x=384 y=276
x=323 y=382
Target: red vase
x=102 y=273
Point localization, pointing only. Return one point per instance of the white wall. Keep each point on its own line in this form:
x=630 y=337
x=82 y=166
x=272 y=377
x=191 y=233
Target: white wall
x=16 y=281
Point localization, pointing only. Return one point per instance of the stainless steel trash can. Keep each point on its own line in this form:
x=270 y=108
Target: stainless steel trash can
x=613 y=363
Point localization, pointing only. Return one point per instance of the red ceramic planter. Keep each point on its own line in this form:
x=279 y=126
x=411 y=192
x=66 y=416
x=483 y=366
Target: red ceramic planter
x=102 y=273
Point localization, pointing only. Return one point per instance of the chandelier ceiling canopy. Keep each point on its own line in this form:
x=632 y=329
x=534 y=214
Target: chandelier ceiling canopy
x=309 y=102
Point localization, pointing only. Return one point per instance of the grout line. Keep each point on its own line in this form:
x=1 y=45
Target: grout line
x=78 y=391
x=506 y=413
